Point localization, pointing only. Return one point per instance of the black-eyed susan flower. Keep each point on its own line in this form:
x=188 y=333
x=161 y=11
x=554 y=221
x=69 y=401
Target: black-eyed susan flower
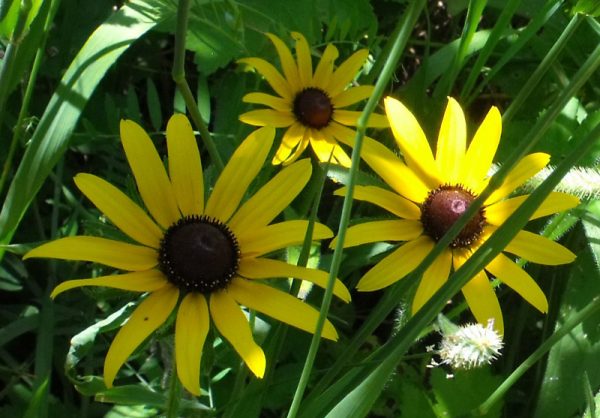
x=309 y=104
x=201 y=259
x=428 y=194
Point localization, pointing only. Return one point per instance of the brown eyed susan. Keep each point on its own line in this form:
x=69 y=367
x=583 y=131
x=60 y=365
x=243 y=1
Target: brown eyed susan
x=202 y=259
x=429 y=193
x=309 y=104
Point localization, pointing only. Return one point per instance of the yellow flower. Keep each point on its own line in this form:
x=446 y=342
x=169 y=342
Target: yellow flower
x=310 y=104
x=206 y=256
x=430 y=193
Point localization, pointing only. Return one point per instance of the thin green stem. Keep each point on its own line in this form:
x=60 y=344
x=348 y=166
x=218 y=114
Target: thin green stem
x=10 y=54
x=178 y=74
x=575 y=320
x=19 y=129
x=474 y=12
x=174 y=395
x=399 y=44
x=539 y=72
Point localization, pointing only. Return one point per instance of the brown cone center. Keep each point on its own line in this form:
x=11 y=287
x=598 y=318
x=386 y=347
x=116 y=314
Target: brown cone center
x=313 y=108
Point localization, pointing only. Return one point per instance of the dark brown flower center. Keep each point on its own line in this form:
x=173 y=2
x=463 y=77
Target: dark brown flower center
x=313 y=108
x=443 y=207
x=199 y=254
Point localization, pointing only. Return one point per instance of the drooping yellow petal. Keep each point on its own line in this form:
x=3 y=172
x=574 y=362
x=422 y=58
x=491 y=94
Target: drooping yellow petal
x=150 y=175
x=272 y=198
x=375 y=231
x=98 y=250
x=555 y=202
x=273 y=102
x=264 y=268
x=323 y=148
x=433 y=278
x=324 y=70
x=244 y=165
x=351 y=96
x=340 y=157
x=480 y=295
x=350 y=118
x=191 y=329
x=120 y=209
x=304 y=59
x=146 y=318
x=277 y=236
x=482 y=301
x=539 y=249
x=412 y=142
x=451 y=143
x=292 y=144
x=139 y=281
x=396 y=265
x=273 y=77
x=234 y=327
x=287 y=62
x=481 y=151
x=390 y=201
x=185 y=166
x=279 y=305
x=268 y=117
x=523 y=171
x=518 y=280
x=346 y=72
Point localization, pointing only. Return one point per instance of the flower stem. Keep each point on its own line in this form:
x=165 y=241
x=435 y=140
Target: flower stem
x=178 y=74
x=174 y=394
x=399 y=42
x=575 y=320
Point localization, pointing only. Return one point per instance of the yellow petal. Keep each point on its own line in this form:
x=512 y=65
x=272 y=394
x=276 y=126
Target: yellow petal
x=412 y=142
x=482 y=301
x=292 y=144
x=323 y=148
x=279 y=305
x=139 y=281
x=539 y=249
x=351 y=96
x=480 y=295
x=191 y=329
x=481 y=151
x=324 y=70
x=451 y=143
x=242 y=168
x=518 y=280
x=523 y=171
x=304 y=59
x=120 y=209
x=272 y=198
x=555 y=202
x=277 y=236
x=234 y=327
x=390 y=201
x=393 y=171
x=264 y=268
x=376 y=231
x=350 y=118
x=396 y=265
x=150 y=175
x=185 y=166
x=273 y=102
x=433 y=278
x=287 y=62
x=273 y=77
x=99 y=250
x=346 y=72
x=146 y=318
x=268 y=117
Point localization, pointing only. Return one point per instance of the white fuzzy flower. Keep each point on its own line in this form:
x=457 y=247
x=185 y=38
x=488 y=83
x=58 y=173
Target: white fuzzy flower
x=470 y=346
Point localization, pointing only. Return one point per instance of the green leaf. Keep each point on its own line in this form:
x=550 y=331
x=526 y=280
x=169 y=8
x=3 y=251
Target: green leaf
x=131 y=395
x=50 y=139
x=562 y=391
x=153 y=105
x=588 y=7
x=9 y=14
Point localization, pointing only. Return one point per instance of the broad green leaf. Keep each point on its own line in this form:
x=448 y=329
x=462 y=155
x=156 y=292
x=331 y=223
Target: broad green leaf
x=9 y=19
x=562 y=390
x=53 y=132
x=588 y=7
